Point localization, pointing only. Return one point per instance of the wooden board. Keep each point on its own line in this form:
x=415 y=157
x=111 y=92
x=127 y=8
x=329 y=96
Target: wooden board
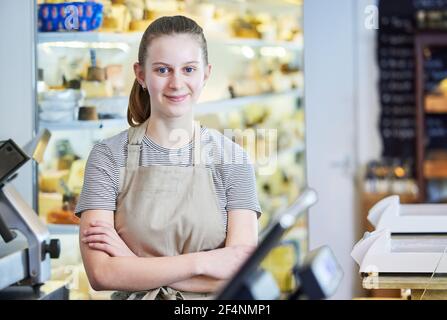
x=405 y=282
x=435 y=288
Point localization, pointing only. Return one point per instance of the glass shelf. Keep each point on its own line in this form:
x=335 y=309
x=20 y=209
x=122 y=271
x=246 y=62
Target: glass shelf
x=83 y=124
x=88 y=36
x=203 y=108
x=237 y=103
x=61 y=38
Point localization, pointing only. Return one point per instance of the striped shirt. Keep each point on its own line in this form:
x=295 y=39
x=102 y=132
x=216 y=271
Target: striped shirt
x=232 y=171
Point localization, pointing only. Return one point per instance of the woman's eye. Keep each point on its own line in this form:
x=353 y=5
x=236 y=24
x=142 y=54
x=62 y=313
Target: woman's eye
x=189 y=69
x=163 y=70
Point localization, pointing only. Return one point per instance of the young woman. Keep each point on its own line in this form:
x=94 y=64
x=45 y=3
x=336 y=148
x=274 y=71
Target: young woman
x=168 y=208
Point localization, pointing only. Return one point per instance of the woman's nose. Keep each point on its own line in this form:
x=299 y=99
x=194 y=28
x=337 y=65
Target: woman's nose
x=175 y=81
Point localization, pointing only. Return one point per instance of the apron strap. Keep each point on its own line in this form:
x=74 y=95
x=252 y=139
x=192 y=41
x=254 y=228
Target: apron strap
x=196 y=155
x=135 y=137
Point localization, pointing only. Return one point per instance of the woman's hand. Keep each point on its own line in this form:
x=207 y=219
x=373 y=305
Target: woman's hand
x=225 y=262
x=102 y=236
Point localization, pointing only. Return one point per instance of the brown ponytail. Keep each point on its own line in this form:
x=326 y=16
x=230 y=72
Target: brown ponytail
x=139 y=109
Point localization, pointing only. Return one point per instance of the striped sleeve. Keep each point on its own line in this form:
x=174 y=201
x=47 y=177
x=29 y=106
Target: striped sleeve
x=100 y=188
x=240 y=186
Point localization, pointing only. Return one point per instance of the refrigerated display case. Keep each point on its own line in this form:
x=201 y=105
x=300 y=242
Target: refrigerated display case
x=256 y=88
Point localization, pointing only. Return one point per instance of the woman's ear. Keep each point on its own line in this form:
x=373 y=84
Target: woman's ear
x=139 y=74
x=207 y=73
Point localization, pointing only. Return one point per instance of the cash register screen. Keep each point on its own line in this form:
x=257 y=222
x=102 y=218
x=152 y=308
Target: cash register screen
x=327 y=271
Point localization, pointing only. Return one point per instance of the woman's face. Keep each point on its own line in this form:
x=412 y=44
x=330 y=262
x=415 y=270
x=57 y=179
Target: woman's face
x=174 y=74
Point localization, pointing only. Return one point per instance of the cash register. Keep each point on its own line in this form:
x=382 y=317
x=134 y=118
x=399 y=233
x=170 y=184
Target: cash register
x=317 y=277
x=25 y=244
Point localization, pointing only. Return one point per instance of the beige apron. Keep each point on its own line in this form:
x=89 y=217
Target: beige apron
x=167 y=210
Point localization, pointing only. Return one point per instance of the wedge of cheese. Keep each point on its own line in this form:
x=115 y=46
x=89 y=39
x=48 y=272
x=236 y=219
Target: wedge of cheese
x=76 y=176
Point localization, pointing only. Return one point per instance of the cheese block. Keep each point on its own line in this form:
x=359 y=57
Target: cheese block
x=49 y=180
x=276 y=184
x=139 y=25
x=280 y=262
x=96 y=74
x=117 y=19
x=96 y=89
x=83 y=283
x=254 y=113
x=64 y=163
x=48 y=201
x=264 y=219
x=87 y=113
x=235 y=120
x=62 y=216
x=76 y=176
x=109 y=24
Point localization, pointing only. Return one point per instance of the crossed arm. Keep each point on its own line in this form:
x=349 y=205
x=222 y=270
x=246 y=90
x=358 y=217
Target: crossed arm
x=111 y=265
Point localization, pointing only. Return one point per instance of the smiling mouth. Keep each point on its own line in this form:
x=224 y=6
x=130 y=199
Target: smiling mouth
x=178 y=98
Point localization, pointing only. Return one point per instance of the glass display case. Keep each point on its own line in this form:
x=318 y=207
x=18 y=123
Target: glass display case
x=256 y=88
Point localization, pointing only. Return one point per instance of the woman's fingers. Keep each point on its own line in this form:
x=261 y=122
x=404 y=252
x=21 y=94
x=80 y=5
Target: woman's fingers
x=99 y=234
x=103 y=236
x=98 y=238
x=110 y=250
x=99 y=230
x=100 y=242
x=98 y=227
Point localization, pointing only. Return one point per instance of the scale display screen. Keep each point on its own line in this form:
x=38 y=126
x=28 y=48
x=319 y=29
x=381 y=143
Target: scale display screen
x=11 y=159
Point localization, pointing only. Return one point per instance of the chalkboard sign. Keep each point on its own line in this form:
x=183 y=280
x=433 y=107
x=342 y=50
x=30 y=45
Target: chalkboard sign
x=400 y=21
x=396 y=85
